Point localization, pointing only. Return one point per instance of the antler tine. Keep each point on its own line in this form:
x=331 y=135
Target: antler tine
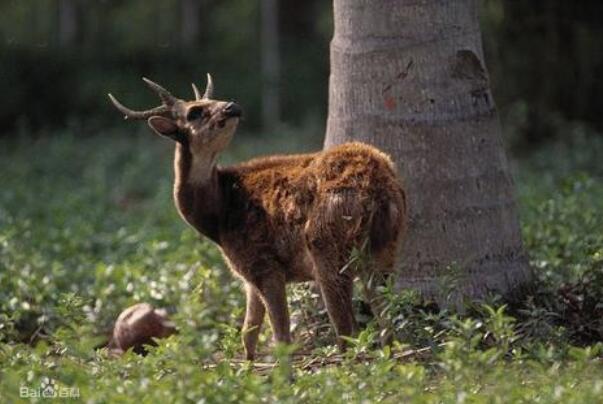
x=209 y=89
x=198 y=95
x=167 y=98
x=131 y=114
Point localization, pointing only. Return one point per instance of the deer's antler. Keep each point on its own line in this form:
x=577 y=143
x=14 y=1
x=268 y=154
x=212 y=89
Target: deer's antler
x=168 y=100
x=131 y=114
x=209 y=89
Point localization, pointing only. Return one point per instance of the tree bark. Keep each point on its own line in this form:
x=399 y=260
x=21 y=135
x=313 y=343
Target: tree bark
x=408 y=77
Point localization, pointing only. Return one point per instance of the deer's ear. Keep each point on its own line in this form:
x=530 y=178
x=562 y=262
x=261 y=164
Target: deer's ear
x=163 y=126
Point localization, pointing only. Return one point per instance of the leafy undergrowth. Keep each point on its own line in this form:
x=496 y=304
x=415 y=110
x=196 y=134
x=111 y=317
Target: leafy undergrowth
x=87 y=228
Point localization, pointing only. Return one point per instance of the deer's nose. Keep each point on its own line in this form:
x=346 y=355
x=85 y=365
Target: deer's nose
x=233 y=109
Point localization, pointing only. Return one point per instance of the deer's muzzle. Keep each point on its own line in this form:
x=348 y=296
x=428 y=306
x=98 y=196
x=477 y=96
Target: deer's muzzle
x=232 y=110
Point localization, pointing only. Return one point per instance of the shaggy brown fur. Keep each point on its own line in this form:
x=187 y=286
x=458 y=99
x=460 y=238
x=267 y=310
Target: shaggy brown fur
x=284 y=219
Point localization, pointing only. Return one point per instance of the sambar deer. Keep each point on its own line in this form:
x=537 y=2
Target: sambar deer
x=280 y=219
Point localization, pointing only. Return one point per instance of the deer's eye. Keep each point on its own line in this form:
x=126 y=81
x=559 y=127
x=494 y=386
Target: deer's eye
x=194 y=113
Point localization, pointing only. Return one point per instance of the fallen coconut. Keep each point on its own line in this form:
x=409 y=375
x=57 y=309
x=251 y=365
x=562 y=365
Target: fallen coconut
x=138 y=326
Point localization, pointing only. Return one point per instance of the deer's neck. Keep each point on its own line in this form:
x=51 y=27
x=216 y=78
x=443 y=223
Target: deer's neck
x=197 y=191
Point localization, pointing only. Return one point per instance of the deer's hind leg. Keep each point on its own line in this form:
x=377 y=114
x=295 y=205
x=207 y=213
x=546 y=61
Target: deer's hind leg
x=333 y=230
x=336 y=290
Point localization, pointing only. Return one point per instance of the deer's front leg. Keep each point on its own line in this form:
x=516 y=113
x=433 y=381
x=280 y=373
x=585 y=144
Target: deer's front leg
x=254 y=317
x=273 y=293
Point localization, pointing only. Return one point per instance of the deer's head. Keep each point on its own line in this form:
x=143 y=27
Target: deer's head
x=204 y=125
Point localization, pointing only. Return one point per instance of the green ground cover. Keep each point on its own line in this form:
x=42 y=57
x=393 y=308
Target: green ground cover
x=88 y=227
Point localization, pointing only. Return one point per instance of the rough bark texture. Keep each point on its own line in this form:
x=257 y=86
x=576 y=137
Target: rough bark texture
x=409 y=77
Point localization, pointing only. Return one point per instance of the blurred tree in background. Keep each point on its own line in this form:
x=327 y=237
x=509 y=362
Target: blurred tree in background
x=546 y=64
x=59 y=58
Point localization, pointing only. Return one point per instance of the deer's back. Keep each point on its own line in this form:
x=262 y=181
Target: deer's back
x=274 y=202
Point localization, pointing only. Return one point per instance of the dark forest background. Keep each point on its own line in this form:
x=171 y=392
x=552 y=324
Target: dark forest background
x=59 y=58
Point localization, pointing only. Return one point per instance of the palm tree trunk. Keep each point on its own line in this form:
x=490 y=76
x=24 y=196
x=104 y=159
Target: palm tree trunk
x=409 y=77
